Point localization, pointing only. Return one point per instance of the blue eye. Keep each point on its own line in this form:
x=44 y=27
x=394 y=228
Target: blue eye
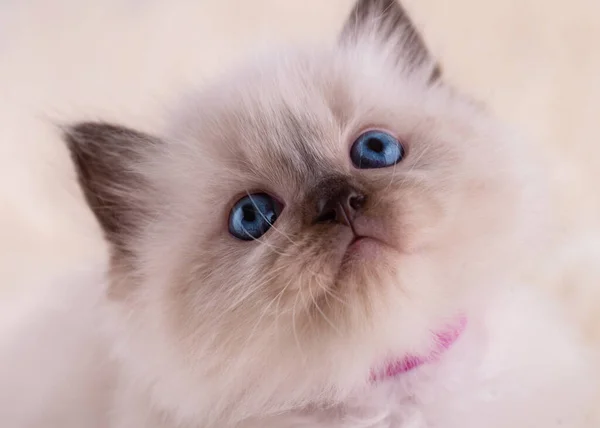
x=376 y=149
x=253 y=215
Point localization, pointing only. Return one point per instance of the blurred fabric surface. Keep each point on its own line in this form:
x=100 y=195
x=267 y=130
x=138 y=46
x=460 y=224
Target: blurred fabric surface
x=535 y=62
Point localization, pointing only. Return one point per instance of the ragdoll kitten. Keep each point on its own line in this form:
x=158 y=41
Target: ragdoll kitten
x=330 y=238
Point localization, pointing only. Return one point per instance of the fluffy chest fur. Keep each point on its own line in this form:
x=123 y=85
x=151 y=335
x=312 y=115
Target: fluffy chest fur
x=516 y=365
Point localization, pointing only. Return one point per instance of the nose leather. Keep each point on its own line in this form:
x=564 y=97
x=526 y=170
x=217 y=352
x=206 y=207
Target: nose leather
x=339 y=204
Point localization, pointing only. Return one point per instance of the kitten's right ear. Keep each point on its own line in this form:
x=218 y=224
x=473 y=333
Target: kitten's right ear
x=109 y=165
x=386 y=25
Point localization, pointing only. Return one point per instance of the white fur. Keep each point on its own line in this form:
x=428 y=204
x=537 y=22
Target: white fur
x=519 y=365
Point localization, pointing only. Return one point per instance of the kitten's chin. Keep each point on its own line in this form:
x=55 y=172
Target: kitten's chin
x=364 y=247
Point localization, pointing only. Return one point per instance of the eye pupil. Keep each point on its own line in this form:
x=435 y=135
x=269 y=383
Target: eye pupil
x=249 y=213
x=252 y=216
x=375 y=145
x=376 y=149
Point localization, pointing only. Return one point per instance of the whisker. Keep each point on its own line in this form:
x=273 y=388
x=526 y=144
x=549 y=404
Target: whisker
x=270 y=224
x=271 y=246
x=425 y=149
x=294 y=330
x=279 y=296
x=316 y=305
x=333 y=294
x=416 y=161
x=257 y=323
x=239 y=300
x=386 y=188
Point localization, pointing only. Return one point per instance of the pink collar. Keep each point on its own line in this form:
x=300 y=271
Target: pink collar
x=444 y=340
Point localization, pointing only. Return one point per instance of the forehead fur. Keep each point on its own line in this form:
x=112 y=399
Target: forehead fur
x=291 y=119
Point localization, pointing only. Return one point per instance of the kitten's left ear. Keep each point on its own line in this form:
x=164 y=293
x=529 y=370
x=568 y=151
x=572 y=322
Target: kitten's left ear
x=386 y=24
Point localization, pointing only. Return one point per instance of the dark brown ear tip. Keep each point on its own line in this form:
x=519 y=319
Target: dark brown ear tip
x=106 y=158
x=81 y=140
x=388 y=22
x=383 y=5
x=96 y=132
x=79 y=136
x=368 y=9
x=436 y=74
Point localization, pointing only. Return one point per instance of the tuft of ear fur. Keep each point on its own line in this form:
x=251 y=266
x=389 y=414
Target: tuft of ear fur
x=386 y=22
x=108 y=161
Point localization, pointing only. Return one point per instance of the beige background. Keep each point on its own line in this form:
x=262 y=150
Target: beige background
x=536 y=62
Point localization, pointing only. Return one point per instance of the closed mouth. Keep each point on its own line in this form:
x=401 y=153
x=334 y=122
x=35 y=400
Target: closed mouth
x=360 y=247
x=356 y=240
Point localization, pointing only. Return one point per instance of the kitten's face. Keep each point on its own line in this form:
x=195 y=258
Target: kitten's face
x=239 y=235
x=294 y=143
